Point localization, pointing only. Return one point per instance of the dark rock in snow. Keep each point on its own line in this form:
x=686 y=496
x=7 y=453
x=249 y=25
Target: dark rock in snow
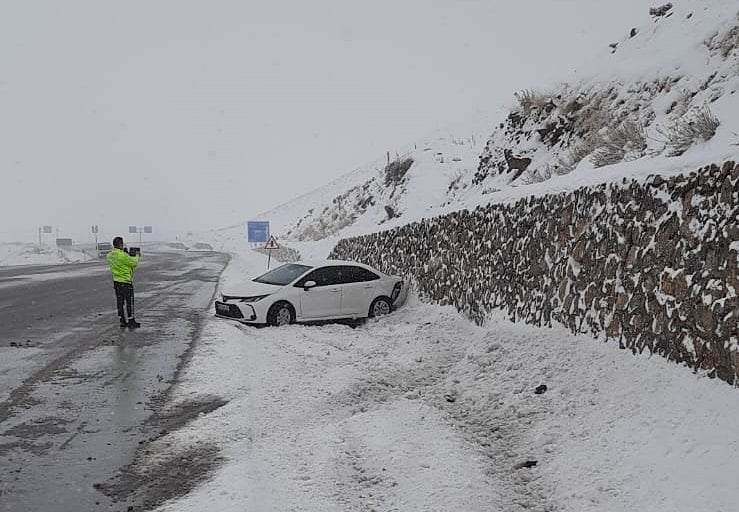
x=516 y=164
x=541 y=389
x=661 y=10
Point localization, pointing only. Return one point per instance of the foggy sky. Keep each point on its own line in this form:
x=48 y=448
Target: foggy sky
x=192 y=115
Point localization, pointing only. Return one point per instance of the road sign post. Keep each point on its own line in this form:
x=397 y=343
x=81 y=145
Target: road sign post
x=140 y=231
x=257 y=231
x=42 y=229
x=271 y=245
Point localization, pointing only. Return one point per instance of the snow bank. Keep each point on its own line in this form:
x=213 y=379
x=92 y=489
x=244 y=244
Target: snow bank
x=31 y=254
x=421 y=410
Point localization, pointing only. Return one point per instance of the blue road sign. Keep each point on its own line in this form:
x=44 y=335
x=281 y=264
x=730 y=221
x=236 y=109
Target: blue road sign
x=257 y=231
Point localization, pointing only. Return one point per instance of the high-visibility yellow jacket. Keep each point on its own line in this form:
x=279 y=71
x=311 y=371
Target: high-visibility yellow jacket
x=122 y=265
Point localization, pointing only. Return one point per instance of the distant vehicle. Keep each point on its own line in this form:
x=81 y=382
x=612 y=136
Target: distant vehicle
x=177 y=245
x=314 y=291
x=103 y=248
x=200 y=246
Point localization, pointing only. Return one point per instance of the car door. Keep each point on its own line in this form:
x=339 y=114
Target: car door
x=324 y=299
x=357 y=290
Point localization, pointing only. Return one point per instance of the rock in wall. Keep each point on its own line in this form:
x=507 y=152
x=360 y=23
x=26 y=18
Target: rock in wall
x=651 y=264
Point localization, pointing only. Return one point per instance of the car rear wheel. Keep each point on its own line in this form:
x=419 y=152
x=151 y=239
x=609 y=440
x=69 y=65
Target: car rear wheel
x=281 y=313
x=380 y=306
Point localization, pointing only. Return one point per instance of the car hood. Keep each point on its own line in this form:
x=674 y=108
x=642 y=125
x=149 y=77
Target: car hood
x=250 y=289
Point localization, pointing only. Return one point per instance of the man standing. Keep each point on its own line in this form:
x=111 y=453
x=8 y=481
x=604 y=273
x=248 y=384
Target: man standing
x=121 y=265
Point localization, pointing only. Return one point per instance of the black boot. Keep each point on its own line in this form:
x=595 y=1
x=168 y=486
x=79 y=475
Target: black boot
x=124 y=324
x=133 y=324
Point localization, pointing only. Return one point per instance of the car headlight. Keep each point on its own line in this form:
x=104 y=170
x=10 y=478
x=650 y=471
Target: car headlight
x=253 y=299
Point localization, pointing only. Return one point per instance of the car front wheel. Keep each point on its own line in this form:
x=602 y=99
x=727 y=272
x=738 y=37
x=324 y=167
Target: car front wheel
x=380 y=306
x=281 y=313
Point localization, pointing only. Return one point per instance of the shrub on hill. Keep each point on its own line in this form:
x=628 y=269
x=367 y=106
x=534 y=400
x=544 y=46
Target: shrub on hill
x=698 y=125
x=627 y=141
x=396 y=170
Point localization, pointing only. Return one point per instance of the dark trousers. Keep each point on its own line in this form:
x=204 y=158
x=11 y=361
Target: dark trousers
x=124 y=293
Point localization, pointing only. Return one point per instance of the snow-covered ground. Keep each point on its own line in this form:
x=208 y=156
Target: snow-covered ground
x=422 y=411
x=19 y=253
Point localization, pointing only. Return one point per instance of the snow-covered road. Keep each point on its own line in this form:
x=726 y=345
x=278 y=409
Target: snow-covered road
x=423 y=411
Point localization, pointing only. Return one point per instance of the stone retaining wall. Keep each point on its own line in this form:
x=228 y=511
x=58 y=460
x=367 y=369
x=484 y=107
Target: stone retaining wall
x=651 y=264
x=283 y=254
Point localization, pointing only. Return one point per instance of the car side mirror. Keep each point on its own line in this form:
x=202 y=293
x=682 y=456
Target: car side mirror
x=308 y=285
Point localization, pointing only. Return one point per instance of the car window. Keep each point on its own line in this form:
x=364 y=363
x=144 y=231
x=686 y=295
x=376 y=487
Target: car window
x=283 y=275
x=351 y=274
x=324 y=276
x=345 y=274
x=362 y=274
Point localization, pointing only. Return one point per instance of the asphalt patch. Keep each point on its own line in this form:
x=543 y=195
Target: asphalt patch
x=181 y=414
x=145 y=486
x=153 y=477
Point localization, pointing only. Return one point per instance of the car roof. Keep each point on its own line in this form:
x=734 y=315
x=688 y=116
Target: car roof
x=330 y=263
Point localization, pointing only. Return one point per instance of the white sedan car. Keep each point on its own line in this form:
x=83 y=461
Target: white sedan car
x=316 y=291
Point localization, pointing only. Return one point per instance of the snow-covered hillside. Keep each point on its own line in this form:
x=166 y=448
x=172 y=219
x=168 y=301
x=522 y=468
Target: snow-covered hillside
x=646 y=104
x=422 y=410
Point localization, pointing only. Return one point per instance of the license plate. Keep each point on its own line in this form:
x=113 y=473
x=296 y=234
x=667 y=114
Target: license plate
x=222 y=308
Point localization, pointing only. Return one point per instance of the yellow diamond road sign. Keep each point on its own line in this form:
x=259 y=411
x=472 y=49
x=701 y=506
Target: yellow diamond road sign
x=271 y=243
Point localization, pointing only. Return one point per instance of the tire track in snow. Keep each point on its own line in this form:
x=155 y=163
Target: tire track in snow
x=428 y=374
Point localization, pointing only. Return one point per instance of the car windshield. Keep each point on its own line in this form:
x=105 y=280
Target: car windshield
x=283 y=275
x=105 y=246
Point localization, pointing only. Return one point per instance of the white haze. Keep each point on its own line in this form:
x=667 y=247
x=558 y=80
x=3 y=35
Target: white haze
x=190 y=115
